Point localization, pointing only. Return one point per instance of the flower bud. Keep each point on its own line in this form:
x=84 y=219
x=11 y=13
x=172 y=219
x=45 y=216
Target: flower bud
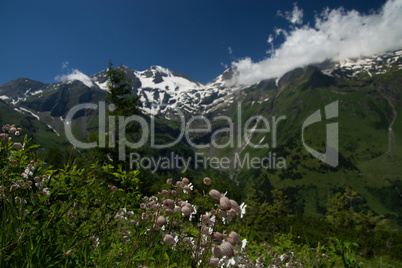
x=169 y=203
x=161 y=221
x=217 y=236
x=187 y=241
x=215 y=194
x=207 y=181
x=185 y=181
x=227 y=249
x=231 y=241
x=169 y=181
x=222 y=213
x=205 y=219
x=232 y=213
x=17 y=146
x=165 y=193
x=113 y=189
x=168 y=239
x=186 y=210
x=69 y=252
x=224 y=202
x=217 y=252
x=204 y=230
x=234 y=205
x=213 y=262
x=168 y=211
x=235 y=237
x=187 y=189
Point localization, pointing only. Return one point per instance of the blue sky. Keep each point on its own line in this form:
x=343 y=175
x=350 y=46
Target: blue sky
x=42 y=40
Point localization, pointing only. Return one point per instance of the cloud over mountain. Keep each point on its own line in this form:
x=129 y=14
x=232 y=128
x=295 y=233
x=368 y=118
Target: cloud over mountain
x=337 y=34
x=75 y=75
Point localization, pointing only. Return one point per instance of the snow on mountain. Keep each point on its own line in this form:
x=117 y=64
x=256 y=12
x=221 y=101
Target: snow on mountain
x=376 y=64
x=165 y=92
x=162 y=90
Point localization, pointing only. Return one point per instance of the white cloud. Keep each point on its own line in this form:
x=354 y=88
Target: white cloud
x=75 y=75
x=64 y=65
x=230 y=50
x=295 y=17
x=337 y=34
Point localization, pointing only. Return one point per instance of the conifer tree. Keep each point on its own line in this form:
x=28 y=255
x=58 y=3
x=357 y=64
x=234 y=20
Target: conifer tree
x=122 y=103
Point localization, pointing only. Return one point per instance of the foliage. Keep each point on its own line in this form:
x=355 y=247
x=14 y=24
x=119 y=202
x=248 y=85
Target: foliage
x=94 y=216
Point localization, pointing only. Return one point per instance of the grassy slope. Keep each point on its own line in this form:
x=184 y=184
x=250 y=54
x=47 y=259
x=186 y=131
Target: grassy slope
x=364 y=118
x=37 y=131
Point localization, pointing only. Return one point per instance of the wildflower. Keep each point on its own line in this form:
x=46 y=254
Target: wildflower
x=227 y=249
x=169 y=181
x=113 y=188
x=224 y=203
x=17 y=146
x=207 y=181
x=168 y=211
x=236 y=239
x=188 y=188
x=186 y=210
x=205 y=219
x=243 y=244
x=168 y=239
x=222 y=213
x=185 y=181
x=242 y=209
x=68 y=253
x=161 y=221
x=215 y=194
x=206 y=230
x=213 y=262
x=17 y=133
x=234 y=205
x=232 y=213
x=217 y=236
x=217 y=252
x=169 y=203
x=46 y=191
x=165 y=193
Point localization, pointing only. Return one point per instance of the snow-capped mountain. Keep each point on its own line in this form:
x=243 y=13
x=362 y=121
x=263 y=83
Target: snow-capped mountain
x=375 y=64
x=163 y=91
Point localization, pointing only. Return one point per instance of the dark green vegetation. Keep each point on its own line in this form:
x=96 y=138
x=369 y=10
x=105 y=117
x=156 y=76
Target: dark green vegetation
x=92 y=214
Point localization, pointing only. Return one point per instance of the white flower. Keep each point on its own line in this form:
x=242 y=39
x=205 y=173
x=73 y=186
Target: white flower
x=242 y=209
x=243 y=243
x=193 y=213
